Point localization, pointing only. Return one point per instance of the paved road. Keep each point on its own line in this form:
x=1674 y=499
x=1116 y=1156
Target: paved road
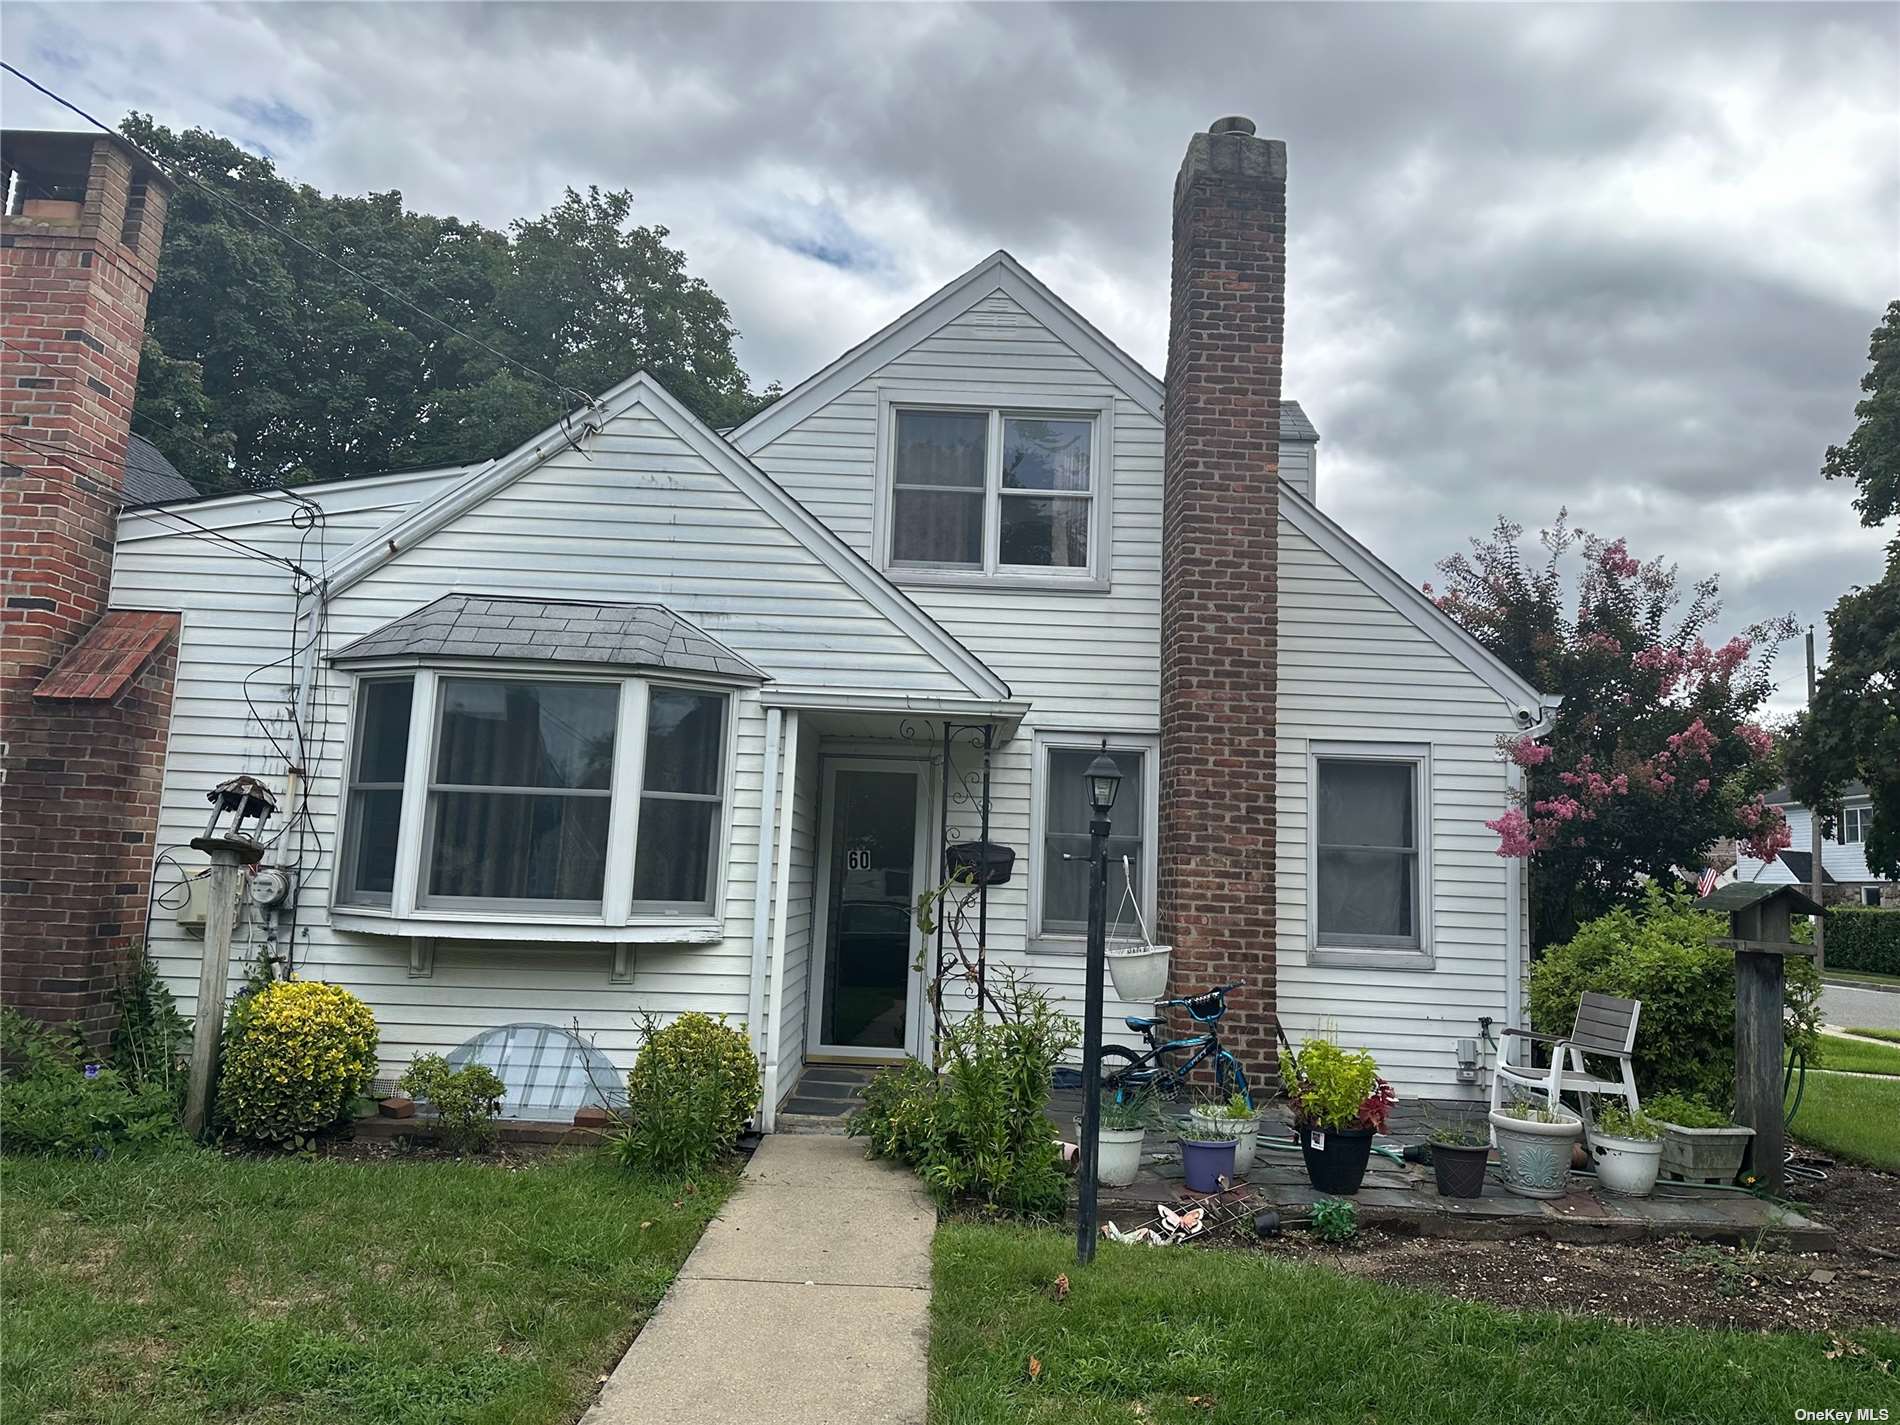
x=1857 y=1008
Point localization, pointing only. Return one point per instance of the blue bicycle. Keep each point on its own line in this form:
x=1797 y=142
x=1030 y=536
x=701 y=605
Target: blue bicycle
x=1165 y=1068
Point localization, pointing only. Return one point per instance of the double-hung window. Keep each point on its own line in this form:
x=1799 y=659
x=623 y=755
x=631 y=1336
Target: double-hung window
x=995 y=492
x=575 y=799
x=1854 y=824
x=1370 y=860
x=1061 y=876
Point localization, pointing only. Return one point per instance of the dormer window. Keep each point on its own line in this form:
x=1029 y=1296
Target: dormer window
x=994 y=492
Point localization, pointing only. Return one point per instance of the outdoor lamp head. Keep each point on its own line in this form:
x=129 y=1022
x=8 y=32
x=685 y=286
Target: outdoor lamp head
x=1104 y=779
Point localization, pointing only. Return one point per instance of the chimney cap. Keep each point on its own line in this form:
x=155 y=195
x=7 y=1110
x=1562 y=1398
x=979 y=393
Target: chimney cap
x=1232 y=124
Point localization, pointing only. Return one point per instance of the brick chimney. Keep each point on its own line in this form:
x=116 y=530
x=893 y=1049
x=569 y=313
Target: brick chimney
x=1219 y=576
x=85 y=692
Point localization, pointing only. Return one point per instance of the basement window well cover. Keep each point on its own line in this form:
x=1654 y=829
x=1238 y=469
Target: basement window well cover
x=550 y=1072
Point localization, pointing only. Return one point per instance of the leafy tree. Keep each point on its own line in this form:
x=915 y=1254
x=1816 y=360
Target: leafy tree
x=1853 y=730
x=1655 y=753
x=266 y=364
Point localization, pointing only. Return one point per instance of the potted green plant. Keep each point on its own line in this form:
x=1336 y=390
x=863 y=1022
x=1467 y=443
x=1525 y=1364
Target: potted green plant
x=1534 y=1141
x=1207 y=1153
x=1460 y=1150
x=1700 y=1144
x=1339 y=1102
x=1118 y=1138
x=1626 y=1150
x=1234 y=1110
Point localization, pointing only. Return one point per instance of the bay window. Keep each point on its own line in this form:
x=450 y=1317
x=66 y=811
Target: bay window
x=568 y=799
x=1370 y=899
x=994 y=491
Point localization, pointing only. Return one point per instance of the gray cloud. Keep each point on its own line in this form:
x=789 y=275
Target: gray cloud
x=1623 y=259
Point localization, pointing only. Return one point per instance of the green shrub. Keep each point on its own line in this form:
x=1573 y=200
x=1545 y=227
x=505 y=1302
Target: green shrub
x=296 y=1054
x=1863 y=938
x=1684 y=1112
x=977 y=1132
x=151 y=1043
x=691 y=1090
x=1660 y=953
x=54 y=1101
x=465 y=1100
x=1335 y=1219
x=1616 y=1121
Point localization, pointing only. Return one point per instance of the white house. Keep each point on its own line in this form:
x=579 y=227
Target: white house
x=646 y=717
x=1843 y=854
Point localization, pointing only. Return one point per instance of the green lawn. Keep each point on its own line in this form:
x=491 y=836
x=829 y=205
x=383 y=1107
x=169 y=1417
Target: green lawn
x=1849 y=1056
x=1892 y=1036
x=1198 y=1337
x=1860 y=977
x=1851 y=1117
x=194 y=1287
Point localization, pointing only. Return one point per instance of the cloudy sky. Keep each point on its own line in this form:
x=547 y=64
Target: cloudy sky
x=1624 y=259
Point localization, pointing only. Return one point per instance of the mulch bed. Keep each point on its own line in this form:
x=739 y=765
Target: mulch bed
x=1667 y=1282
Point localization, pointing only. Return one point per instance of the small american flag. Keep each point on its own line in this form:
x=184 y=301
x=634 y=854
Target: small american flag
x=1707 y=884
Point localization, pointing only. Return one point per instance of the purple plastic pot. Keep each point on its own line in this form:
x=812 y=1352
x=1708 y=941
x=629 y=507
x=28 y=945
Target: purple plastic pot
x=1205 y=1164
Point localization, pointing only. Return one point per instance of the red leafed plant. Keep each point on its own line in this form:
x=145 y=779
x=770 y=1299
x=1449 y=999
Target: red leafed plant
x=1331 y=1089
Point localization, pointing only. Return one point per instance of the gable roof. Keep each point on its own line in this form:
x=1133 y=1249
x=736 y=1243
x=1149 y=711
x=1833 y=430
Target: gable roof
x=551 y=631
x=421 y=521
x=1410 y=602
x=151 y=479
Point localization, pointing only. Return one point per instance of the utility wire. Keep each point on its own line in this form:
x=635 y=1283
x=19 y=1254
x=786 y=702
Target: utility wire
x=559 y=387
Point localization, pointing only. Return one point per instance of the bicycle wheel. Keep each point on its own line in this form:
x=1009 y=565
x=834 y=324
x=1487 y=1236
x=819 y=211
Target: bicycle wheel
x=1117 y=1063
x=1230 y=1079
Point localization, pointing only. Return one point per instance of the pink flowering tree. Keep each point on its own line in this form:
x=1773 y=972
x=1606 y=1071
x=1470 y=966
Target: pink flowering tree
x=1658 y=751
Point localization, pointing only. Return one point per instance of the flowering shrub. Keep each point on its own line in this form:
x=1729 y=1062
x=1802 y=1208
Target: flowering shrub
x=1655 y=753
x=1660 y=953
x=1332 y=1089
x=691 y=1090
x=296 y=1053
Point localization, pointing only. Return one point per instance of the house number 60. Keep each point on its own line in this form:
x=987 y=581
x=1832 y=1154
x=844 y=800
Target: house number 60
x=858 y=858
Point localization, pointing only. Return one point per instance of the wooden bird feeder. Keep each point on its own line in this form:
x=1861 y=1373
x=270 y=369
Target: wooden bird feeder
x=1761 y=935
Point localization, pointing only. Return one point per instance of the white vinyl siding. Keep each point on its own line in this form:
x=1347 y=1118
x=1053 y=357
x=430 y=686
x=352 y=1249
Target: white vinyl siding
x=1845 y=861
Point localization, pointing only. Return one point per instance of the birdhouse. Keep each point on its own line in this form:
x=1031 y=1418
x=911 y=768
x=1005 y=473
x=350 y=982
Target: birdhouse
x=241 y=800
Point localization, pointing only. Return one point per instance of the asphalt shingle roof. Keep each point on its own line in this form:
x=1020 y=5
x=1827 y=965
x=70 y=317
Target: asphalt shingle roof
x=550 y=631
x=1293 y=423
x=151 y=479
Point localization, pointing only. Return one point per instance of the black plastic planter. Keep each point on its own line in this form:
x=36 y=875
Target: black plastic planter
x=982 y=863
x=1460 y=1169
x=1340 y=1166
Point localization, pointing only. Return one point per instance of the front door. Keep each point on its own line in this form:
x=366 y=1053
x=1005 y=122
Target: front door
x=872 y=863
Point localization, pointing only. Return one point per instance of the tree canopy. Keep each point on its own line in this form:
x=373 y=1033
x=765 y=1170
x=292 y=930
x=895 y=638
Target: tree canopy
x=1655 y=754
x=265 y=364
x=1852 y=731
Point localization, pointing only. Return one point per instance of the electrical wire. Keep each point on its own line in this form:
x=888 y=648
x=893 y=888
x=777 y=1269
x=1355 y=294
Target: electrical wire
x=181 y=175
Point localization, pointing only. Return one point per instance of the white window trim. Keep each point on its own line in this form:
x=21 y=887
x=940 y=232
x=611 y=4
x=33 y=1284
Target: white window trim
x=998 y=404
x=1373 y=957
x=1049 y=740
x=619 y=918
x=1863 y=816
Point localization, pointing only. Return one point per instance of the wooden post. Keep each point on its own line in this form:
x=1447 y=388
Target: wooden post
x=1814 y=838
x=1760 y=921
x=229 y=856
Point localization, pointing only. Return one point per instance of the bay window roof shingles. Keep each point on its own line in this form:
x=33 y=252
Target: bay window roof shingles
x=551 y=631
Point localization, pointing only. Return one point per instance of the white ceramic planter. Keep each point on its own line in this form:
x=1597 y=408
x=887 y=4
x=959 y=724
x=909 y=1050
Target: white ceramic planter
x=1626 y=1166
x=1211 y=1125
x=1140 y=975
x=1535 y=1156
x=1117 y=1154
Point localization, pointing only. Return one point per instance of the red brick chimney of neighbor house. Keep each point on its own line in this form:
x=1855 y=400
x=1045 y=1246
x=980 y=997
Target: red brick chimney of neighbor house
x=85 y=692
x=1219 y=575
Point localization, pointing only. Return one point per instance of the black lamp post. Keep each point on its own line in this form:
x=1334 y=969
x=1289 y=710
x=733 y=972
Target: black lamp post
x=1104 y=779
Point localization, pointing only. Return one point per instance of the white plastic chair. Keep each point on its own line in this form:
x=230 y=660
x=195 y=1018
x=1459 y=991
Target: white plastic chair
x=1606 y=1028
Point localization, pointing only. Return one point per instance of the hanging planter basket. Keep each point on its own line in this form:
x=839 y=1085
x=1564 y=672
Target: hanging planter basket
x=1138 y=968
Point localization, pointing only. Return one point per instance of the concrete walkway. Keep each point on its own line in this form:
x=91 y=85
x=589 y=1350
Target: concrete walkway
x=807 y=1302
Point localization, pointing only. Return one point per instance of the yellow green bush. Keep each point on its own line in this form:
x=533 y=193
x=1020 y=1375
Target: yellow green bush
x=296 y=1054
x=688 y=1095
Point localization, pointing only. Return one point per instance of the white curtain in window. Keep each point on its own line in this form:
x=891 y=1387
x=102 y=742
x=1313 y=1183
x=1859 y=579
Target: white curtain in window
x=1367 y=844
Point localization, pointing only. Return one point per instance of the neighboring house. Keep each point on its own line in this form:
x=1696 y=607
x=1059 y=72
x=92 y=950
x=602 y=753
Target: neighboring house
x=652 y=719
x=1844 y=873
